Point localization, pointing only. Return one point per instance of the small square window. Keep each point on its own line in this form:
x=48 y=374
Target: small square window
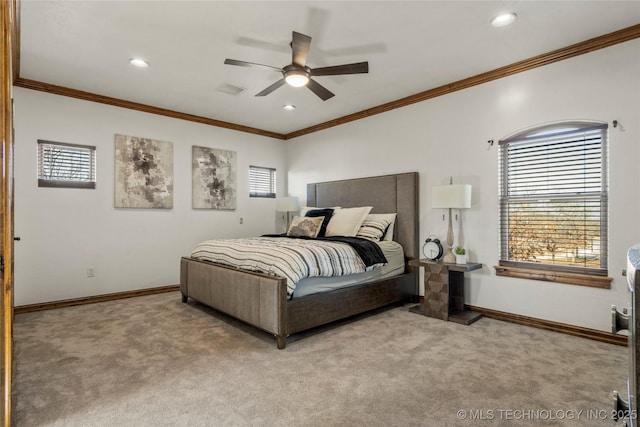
x=66 y=165
x=262 y=182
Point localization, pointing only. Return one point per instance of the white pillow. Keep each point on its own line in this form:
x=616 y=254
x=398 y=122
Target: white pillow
x=347 y=221
x=392 y=222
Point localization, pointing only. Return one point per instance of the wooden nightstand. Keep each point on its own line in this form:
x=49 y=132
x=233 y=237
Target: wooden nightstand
x=444 y=291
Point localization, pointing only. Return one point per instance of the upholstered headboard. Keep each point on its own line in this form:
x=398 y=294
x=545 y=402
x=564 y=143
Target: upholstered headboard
x=387 y=194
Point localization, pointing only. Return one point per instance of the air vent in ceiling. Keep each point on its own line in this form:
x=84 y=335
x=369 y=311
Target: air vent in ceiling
x=230 y=89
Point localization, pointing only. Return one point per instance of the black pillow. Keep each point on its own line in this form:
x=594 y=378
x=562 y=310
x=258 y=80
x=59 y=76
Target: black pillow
x=326 y=213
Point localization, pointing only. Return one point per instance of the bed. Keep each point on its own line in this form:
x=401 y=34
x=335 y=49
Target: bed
x=261 y=300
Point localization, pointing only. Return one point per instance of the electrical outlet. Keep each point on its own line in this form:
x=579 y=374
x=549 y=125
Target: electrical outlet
x=241 y=220
x=91 y=272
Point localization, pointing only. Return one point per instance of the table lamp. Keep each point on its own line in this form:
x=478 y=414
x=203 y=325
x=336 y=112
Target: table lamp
x=451 y=196
x=287 y=204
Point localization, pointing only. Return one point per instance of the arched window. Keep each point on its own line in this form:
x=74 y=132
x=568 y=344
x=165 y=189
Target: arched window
x=553 y=201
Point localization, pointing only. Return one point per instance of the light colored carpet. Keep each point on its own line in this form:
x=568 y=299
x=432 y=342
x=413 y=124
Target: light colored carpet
x=153 y=361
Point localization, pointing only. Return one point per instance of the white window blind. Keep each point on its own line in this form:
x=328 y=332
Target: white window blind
x=66 y=165
x=553 y=199
x=262 y=182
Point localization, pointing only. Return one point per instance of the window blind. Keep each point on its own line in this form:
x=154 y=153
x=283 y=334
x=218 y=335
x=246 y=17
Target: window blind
x=553 y=199
x=66 y=165
x=262 y=182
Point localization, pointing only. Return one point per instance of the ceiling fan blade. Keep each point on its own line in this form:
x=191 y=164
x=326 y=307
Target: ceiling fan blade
x=271 y=88
x=356 y=68
x=249 y=64
x=319 y=90
x=274 y=47
x=300 y=48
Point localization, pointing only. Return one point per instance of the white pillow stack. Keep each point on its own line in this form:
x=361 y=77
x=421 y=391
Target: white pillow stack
x=347 y=221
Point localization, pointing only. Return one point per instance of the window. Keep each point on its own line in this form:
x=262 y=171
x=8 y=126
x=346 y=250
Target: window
x=262 y=182
x=66 y=165
x=553 y=202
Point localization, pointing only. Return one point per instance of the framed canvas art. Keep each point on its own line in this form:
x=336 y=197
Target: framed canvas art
x=214 y=178
x=143 y=173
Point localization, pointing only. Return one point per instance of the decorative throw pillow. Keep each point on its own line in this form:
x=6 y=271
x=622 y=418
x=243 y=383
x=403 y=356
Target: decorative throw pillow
x=303 y=226
x=347 y=221
x=305 y=209
x=388 y=235
x=327 y=213
x=373 y=229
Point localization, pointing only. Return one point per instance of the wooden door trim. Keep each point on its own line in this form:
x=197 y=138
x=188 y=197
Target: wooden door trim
x=8 y=12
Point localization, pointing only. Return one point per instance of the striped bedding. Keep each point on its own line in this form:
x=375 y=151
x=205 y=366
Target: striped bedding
x=293 y=259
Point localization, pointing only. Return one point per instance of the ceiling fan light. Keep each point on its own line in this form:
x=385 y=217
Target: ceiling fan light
x=296 y=78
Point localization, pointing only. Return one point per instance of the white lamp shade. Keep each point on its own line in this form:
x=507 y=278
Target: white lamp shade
x=287 y=204
x=457 y=196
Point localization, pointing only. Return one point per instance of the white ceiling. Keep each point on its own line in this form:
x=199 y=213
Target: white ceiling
x=411 y=47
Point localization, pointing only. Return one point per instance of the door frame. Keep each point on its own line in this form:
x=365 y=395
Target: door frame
x=8 y=70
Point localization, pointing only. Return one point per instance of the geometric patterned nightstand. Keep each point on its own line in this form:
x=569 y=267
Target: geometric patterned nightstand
x=444 y=291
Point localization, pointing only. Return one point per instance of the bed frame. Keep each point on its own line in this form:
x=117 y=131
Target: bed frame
x=261 y=300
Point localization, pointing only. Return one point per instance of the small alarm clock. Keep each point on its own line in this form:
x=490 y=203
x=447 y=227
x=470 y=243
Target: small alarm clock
x=432 y=249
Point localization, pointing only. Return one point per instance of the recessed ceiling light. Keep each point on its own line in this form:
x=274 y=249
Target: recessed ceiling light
x=504 y=19
x=139 y=62
x=289 y=107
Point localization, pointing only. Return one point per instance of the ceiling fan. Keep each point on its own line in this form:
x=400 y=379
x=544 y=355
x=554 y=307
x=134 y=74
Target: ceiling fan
x=297 y=73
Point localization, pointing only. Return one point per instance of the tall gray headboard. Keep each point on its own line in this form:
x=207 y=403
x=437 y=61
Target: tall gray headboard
x=387 y=194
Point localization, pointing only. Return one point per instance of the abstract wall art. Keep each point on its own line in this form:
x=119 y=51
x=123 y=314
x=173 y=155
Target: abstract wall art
x=214 y=178
x=143 y=173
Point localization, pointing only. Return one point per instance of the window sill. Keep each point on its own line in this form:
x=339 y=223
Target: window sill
x=52 y=183
x=592 y=281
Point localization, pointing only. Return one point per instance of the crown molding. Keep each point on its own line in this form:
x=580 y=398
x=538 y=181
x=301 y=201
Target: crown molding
x=123 y=103
x=581 y=48
x=596 y=43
